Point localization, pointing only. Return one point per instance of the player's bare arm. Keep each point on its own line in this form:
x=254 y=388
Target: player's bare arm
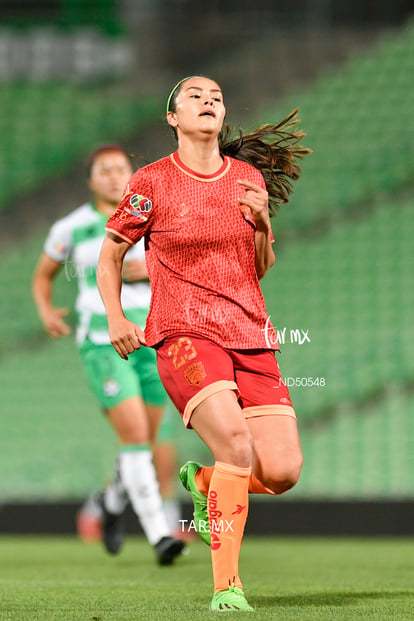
x=255 y=203
x=42 y=287
x=125 y=335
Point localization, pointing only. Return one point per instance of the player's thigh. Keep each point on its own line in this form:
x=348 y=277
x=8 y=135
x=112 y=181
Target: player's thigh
x=130 y=421
x=220 y=423
x=155 y=415
x=192 y=369
x=198 y=375
x=270 y=415
x=170 y=425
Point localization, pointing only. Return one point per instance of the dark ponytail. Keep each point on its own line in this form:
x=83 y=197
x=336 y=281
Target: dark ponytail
x=272 y=149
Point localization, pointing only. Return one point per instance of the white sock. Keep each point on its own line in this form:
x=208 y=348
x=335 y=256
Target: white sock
x=140 y=481
x=115 y=495
x=172 y=512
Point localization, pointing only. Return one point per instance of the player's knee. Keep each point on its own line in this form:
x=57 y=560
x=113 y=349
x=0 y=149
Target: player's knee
x=284 y=477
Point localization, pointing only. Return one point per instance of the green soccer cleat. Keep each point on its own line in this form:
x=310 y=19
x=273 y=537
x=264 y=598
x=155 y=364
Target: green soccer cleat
x=230 y=600
x=187 y=476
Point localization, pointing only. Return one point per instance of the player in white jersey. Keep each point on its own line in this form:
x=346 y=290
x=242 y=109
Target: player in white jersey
x=130 y=392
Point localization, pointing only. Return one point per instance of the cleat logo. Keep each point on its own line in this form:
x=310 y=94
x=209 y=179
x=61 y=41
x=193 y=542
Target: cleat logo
x=239 y=509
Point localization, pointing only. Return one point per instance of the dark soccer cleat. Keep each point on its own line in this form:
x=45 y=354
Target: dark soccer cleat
x=167 y=549
x=112 y=529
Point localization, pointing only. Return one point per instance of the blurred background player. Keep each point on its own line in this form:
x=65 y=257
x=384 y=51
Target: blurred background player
x=90 y=518
x=130 y=393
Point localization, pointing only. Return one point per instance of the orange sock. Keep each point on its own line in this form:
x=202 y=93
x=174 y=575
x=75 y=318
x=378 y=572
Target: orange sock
x=203 y=478
x=257 y=487
x=204 y=474
x=228 y=502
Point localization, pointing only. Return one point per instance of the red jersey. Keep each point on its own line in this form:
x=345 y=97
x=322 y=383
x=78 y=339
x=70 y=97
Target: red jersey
x=200 y=252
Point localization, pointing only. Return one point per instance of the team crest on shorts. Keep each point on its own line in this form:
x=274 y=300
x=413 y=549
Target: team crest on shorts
x=195 y=373
x=111 y=387
x=139 y=206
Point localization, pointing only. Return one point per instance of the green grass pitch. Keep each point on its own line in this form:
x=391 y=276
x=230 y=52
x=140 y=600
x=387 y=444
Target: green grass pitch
x=51 y=578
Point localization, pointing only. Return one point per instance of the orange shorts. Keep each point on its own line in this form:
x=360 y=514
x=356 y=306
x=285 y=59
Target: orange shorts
x=193 y=368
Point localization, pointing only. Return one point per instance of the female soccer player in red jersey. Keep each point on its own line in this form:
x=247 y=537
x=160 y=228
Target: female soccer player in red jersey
x=204 y=213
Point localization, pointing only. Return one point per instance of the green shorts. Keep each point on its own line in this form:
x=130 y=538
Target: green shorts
x=114 y=380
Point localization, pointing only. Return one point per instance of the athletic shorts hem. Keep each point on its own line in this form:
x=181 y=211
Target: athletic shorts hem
x=269 y=410
x=203 y=394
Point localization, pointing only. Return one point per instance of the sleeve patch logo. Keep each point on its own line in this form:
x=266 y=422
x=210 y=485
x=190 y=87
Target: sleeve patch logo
x=139 y=206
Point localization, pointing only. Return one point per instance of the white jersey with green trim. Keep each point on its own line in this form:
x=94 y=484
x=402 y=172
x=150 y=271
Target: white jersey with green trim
x=75 y=241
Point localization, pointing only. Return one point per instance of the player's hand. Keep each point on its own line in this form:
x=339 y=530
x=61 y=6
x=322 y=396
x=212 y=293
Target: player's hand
x=125 y=336
x=134 y=271
x=255 y=203
x=53 y=322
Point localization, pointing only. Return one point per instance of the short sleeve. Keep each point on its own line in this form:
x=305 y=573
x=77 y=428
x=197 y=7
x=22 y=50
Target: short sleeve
x=58 y=243
x=133 y=217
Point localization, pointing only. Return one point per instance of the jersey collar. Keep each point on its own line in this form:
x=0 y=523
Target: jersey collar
x=200 y=176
